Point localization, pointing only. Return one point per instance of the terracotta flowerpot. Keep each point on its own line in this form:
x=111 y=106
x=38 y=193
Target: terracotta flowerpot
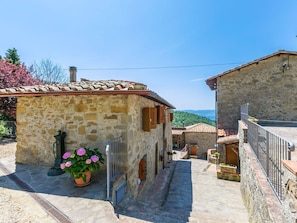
x=79 y=182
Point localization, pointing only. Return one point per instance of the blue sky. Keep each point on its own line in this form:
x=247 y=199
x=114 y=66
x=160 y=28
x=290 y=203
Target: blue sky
x=93 y=35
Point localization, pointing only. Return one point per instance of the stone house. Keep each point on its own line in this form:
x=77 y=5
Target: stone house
x=91 y=113
x=268 y=84
x=200 y=137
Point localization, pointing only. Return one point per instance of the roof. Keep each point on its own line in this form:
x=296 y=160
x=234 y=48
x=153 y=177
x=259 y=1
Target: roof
x=212 y=81
x=177 y=131
x=228 y=139
x=199 y=127
x=227 y=132
x=102 y=87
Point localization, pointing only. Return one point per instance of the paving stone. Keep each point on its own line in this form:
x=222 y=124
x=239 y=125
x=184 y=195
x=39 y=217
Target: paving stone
x=185 y=191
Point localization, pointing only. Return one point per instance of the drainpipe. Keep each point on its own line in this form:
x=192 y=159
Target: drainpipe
x=108 y=171
x=72 y=71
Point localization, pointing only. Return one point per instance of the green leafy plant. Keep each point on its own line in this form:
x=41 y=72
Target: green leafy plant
x=225 y=164
x=3 y=129
x=80 y=161
x=253 y=119
x=216 y=154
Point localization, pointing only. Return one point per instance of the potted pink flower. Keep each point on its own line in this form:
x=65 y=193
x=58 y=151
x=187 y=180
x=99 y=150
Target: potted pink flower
x=81 y=163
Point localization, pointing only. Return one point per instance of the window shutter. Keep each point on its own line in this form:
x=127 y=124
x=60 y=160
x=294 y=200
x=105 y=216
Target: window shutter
x=149 y=118
x=160 y=114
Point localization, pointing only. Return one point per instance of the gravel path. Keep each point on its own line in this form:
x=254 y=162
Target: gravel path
x=7 y=147
x=16 y=205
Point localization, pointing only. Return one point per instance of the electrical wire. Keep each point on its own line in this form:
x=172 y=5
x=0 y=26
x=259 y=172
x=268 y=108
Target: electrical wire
x=161 y=67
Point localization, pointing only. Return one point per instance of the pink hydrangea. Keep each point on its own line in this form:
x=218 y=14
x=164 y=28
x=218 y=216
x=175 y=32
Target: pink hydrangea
x=68 y=164
x=66 y=155
x=88 y=161
x=62 y=166
x=81 y=151
x=94 y=158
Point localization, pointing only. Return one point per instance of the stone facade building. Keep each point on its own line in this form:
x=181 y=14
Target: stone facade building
x=91 y=113
x=199 y=138
x=268 y=84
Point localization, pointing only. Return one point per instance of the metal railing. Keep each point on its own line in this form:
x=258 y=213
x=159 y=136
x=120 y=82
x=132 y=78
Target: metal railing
x=269 y=149
x=244 y=112
x=113 y=151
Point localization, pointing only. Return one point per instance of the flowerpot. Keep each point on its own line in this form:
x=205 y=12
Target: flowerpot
x=79 y=182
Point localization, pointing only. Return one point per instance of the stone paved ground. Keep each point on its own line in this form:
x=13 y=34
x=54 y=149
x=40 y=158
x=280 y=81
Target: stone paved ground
x=17 y=205
x=52 y=198
x=195 y=195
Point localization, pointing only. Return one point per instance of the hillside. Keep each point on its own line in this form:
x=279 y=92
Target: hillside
x=205 y=113
x=189 y=119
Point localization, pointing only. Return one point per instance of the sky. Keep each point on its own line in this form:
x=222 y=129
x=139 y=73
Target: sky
x=172 y=46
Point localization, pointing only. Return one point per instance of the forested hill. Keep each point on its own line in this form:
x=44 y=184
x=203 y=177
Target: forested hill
x=189 y=119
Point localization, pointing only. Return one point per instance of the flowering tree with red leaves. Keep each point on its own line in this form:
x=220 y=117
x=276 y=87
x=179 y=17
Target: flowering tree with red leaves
x=13 y=75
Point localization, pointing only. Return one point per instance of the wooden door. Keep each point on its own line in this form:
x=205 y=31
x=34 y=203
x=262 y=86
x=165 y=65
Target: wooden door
x=232 y=154
x=193 y=150
x=141 y=170
x=156 y=159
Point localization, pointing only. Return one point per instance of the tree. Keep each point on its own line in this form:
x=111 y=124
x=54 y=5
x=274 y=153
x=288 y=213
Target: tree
x=12 y=56
x=182 y=119
x=48 y=72
x=13 y=75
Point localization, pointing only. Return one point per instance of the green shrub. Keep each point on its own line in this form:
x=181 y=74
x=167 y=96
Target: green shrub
x=5 y=117
x=3 y=129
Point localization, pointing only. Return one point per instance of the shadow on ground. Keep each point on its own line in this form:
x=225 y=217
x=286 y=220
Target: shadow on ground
x=176 y=206
x=35 y=179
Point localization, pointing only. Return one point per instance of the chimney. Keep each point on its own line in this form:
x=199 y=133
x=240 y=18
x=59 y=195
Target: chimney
x=72 y=71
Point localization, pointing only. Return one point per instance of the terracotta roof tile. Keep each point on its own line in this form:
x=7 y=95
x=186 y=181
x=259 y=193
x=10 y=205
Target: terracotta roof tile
x=78 y=87
x=85 y=87
x=177 y=132
x=212 y=81
x=227 y=132
x=221 y=132
x=201 y=127
x=228 y=139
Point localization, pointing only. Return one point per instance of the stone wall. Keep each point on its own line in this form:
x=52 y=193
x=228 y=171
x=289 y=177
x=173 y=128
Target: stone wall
x=204 y=141
x=258 y=197
x=268 y=87
x=90 y=121
x=289 y=183
x=142 y=143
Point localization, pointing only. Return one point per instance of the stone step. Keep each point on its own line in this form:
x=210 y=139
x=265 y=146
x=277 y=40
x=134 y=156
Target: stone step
x=202 y=217
x=151 y=214
x=138 y=212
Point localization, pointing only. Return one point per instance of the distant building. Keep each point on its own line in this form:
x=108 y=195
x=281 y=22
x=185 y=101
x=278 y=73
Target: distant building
x=200 y=137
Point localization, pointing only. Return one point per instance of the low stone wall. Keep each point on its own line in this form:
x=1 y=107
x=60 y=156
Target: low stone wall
x=289 y=183
x=258 y=197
